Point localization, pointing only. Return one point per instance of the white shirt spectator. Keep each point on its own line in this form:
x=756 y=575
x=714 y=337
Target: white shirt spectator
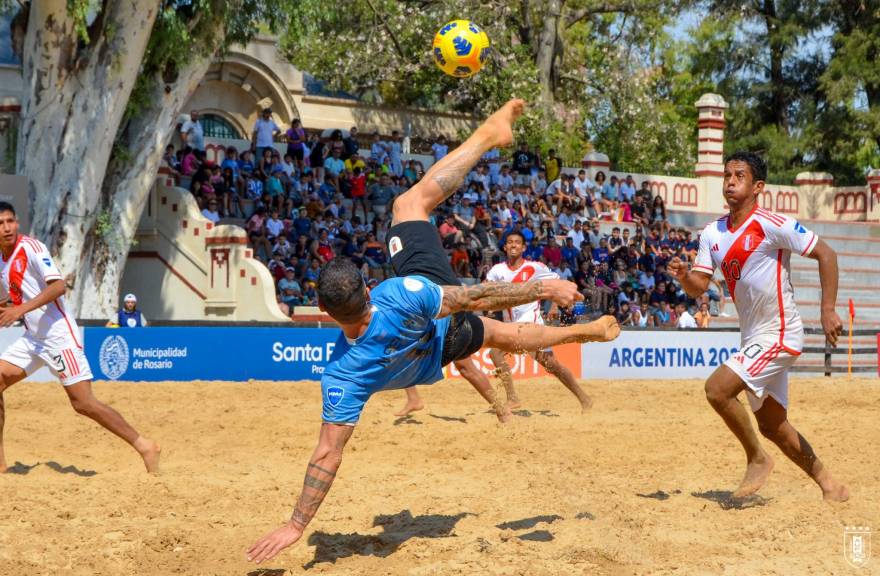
x=211 y=215
x=583 y=186
x=577 y=237
x=492 y=158
x=686 y=320
x=265 y=131
x=505 y=182
x=554 y=187
x=194 y=134
x=539 y=185
x=274 y=227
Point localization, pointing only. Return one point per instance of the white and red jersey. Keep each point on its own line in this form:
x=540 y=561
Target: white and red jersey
x=527 y=270
x=25 y=274
x=755 y=259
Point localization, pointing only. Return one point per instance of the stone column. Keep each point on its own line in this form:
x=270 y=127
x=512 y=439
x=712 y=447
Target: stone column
x=710 y=152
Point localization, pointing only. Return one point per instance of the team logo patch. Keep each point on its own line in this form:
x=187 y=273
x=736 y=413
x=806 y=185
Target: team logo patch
x=799 y=228
x=334 y=395
x=47 y=262
x=752 y=350
x=412 y=284
x=113 y=357
x=395 y=245
x=747 y=243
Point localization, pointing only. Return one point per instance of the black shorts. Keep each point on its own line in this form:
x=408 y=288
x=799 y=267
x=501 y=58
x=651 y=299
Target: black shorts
x=415 y=249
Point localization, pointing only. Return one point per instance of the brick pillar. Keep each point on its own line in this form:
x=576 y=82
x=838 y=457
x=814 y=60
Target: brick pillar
x=710 y=143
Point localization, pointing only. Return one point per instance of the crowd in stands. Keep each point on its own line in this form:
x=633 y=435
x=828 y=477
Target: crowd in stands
x=322 y=198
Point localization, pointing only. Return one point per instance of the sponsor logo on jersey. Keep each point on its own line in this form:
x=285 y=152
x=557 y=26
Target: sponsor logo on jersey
x=113 y=357
x=715 y=247
x=334 y=395
x=799 y=228
x=395 y=245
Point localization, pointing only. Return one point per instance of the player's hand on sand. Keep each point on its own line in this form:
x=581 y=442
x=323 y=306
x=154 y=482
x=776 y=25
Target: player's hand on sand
x=10 y=315
x=677 y=268
x=274 y=542
x=832 y=326
x=562 y=292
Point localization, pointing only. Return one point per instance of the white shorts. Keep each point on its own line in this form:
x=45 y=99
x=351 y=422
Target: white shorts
x=69 y=365
x=763 y=365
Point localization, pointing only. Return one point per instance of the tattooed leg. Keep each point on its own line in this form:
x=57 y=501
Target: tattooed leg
x=505 y=378
x=520 y=338
x=552 y=364
x=447 y=175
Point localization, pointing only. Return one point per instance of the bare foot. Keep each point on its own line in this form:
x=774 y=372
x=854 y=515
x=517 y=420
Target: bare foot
x=836 y=493
x=605 y=329
x=514 y=403
x=410 y=407
x=757 y=472
x=499 y=126
x=586 y=404
x=150 y=451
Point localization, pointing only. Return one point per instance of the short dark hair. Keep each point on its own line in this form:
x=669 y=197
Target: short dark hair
x=7 y=207
x=755 y=162
x=516 y=233
x=341 y=290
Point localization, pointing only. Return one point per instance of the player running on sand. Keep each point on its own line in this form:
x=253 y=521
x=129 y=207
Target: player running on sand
x=404 y=331
x=753 y=249
x=33 y=284
x=518 y=269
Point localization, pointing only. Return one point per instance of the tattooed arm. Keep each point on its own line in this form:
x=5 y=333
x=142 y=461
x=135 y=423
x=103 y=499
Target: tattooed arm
x=320 y=473
x=501 y=295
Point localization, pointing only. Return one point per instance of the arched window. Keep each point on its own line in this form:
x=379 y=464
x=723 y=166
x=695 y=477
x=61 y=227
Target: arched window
x=218 y=127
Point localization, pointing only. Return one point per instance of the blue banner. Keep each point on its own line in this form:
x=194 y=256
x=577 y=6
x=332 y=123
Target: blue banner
x=209 y=353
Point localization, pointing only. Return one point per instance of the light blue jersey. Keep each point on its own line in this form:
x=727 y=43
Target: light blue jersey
x=402 y=347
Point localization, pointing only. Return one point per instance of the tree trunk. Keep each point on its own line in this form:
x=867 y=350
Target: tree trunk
x=779 y=98
x=74 y=100
x=127 y=184
x=547 y=51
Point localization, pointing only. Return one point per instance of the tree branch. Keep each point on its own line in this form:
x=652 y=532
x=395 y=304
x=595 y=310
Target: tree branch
x=608 y=8
x=387 y=29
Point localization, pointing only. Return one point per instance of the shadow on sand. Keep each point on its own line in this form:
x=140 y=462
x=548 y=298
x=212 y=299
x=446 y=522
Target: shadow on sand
x=22 y=469
x=397 y=529
x=725 y=499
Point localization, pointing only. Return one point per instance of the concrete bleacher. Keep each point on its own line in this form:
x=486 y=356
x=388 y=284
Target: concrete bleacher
x=858 y=256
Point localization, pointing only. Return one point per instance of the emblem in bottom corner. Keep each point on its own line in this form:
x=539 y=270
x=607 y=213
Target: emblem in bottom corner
x=857 y=545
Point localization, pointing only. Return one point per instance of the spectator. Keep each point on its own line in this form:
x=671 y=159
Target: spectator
x=439 y=148
x=128 y=316
x=289 y=289
x=210 y=211
x=684 y=320
x=264 y=132
x=703 y=318
x=552 y=165
x=627 y=189
x=256 y=229
x=663 y=315
x=296 y=143
x=192 y=133
x=395 y=164
x=552 y=253
x=640 y=316
x=351 y=146
x=381 y=194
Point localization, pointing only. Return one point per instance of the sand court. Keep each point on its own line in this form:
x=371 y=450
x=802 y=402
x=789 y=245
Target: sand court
x=638 y=485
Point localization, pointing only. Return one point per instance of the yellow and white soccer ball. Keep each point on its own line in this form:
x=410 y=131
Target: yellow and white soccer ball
x=460 y=48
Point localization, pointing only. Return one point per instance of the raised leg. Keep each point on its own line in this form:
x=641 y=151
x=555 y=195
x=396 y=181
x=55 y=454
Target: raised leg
x=722 y=388
x=774 y=425
x=414 y=402
x=447 y=175
x=84 y=402
x=552 y=364
x=521 y=337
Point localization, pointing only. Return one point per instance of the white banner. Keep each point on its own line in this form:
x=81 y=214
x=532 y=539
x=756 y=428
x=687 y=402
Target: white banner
x=659 y=354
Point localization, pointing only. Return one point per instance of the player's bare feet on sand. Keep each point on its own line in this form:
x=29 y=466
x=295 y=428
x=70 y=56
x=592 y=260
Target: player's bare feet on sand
x=605 y=329
x=586 y=404
x=410 y=407
x=499 y=126
x=757 y=472
x=836 y=493
x=150 y=451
